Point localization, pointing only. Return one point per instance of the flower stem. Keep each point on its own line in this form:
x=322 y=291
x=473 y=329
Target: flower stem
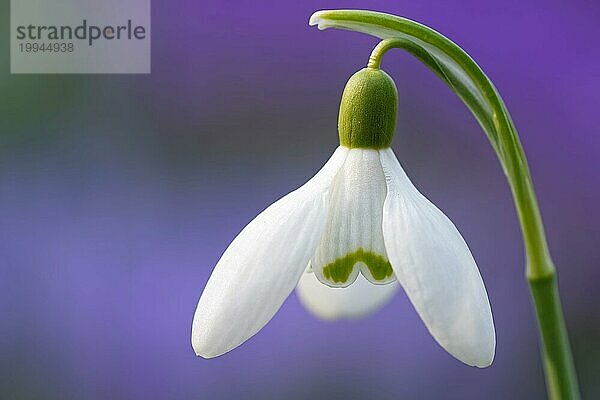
x=382 y=48
x=558 y=362
x=561 y=379
x=458 y=70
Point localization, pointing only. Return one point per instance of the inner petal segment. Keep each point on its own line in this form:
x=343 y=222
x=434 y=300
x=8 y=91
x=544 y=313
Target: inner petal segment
x=352 y=242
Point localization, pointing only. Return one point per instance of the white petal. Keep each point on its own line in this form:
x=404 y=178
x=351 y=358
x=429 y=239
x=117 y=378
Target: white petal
x=262 y=266
x=436 y=269
x=353 y=237
x=355 y=301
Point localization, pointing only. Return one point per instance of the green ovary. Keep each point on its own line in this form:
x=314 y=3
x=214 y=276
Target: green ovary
x=339 y=271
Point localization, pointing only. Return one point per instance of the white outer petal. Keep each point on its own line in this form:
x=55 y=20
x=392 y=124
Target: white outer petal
x=262 y=266
x=355 y=301
x=436 y=269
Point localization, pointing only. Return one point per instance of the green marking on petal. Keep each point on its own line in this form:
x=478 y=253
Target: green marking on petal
x=339 y=271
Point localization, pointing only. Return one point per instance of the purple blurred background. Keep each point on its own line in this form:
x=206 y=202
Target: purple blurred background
x=118 y=194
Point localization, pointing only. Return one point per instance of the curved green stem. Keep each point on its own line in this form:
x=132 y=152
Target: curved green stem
x=458 y=70
x=382 y=48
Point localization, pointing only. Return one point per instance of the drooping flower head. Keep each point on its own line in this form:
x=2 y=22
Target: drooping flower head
x=345 y=239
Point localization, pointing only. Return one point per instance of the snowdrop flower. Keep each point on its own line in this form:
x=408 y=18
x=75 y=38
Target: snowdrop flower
x=346 y=239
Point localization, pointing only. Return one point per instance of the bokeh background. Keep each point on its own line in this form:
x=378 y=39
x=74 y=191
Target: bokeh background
x=118 y=194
